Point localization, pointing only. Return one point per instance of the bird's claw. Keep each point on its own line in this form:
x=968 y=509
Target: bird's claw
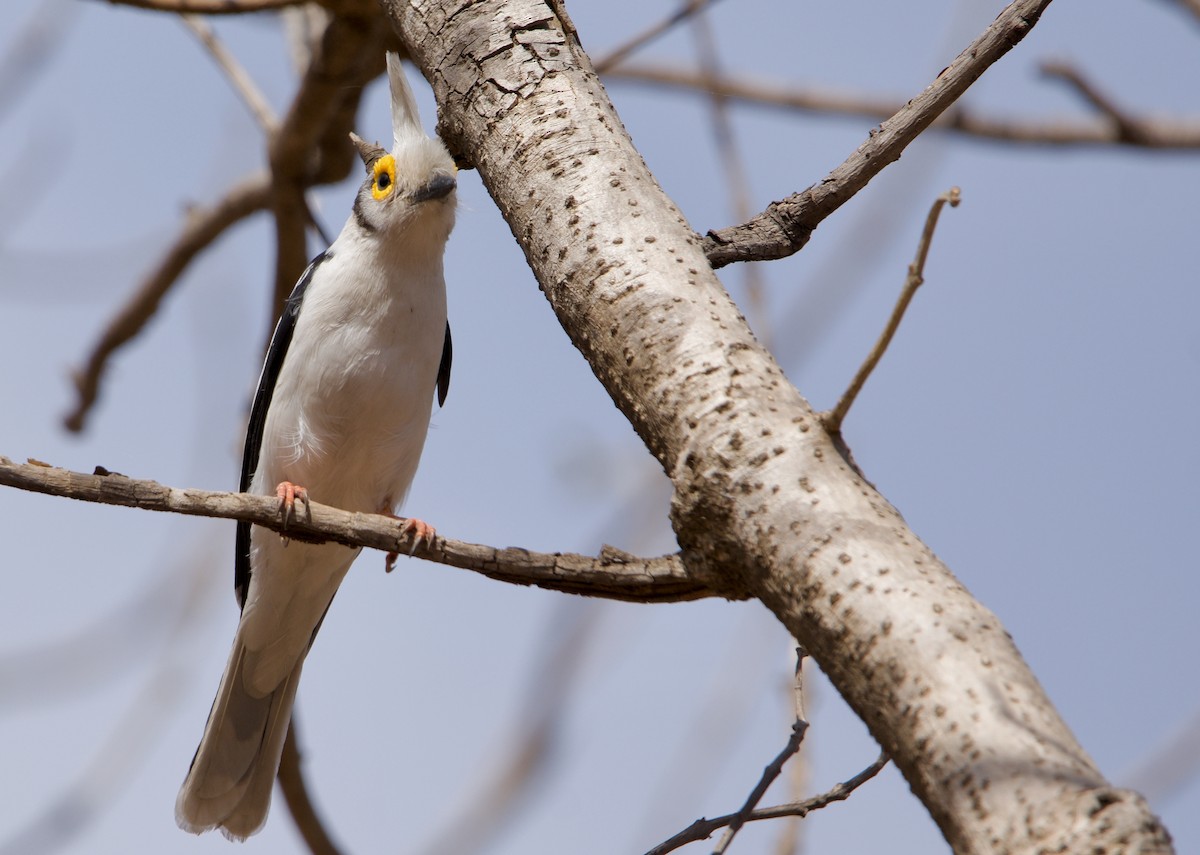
x=420 y=532
x=288 y=493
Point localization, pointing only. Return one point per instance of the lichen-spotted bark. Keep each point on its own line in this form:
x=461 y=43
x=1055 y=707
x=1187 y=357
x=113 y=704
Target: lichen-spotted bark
x=763 y=502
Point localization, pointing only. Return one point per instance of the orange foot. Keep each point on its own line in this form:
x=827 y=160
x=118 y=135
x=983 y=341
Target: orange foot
x=421 y=533
x=288 y=493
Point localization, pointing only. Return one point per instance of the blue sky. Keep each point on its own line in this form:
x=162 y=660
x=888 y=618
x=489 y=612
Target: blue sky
x=1034 y=421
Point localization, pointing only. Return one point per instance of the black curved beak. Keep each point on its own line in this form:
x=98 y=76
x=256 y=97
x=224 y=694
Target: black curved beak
x=438 y=187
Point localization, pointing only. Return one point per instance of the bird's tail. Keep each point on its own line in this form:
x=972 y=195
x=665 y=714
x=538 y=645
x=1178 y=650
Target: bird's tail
x=229 y=783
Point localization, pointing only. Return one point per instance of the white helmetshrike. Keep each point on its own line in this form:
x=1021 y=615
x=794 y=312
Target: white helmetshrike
x=340 y=415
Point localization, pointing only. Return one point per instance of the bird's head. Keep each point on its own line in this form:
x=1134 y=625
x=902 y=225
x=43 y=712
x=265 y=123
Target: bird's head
x=409 y=192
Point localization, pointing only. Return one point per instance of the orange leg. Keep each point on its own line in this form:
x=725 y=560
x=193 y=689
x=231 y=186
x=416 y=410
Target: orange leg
x=419 y=531
x=288 y=493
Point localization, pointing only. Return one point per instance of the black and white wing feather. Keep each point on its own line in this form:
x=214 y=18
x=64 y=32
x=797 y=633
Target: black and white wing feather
x=276 y=353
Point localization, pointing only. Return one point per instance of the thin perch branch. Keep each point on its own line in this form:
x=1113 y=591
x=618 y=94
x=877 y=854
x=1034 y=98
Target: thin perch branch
x=702 y=828
x=612 y=575
x=202 y=228
x=916 y=276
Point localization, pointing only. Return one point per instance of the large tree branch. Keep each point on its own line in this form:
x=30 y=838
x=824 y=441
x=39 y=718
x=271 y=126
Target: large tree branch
x=762 y=497
x=613 y=574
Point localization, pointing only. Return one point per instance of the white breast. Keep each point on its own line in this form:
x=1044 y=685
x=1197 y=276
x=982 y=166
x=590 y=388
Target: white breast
x=352 y=403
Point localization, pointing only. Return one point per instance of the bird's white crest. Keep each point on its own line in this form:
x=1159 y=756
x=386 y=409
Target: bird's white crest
x=406 y=121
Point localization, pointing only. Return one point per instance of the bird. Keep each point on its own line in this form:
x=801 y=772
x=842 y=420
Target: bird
x=339 y=417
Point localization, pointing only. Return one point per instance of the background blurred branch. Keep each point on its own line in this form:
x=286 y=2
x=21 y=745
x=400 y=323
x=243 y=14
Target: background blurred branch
x=640 y=40
x=208 y=7
x=1192 y=6
x=31 y=51
x=1139 y=131
x=201 y=229
x=239 y=78
x=311 y=145
x=299 y=801
x=530 y=751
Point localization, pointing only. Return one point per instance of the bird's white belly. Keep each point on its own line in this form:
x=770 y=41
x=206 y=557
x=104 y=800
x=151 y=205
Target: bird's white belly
x=350 y=429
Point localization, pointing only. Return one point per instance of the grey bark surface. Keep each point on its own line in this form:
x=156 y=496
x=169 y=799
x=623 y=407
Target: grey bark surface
x=763 y=502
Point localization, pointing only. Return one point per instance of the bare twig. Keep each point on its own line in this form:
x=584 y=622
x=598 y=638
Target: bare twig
x=242 y=83
x=299 y=803
x=202 y=228
x=775 y=767
x=789 y=840
x=612 y=574
x=916 y=276
x=619 y=53
x=702 y=828
x=1150 y=132
x=208 y=7
x=784 y=227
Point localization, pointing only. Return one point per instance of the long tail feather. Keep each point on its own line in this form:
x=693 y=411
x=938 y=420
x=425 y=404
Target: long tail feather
x=229 y=783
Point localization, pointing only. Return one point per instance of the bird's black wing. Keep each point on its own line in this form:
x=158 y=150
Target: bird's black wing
x=258 y=417
x=443 y=384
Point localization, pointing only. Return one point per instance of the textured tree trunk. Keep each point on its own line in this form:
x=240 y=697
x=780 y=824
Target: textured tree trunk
x=764 y=504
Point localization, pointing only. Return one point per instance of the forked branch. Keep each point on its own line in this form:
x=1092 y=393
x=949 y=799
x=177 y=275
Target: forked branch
x=702 y=828
x=784 y=227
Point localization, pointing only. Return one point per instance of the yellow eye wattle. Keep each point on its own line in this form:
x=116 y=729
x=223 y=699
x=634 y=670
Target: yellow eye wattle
x=385 y=177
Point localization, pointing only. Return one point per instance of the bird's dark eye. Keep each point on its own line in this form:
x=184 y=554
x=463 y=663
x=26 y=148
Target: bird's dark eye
x=385 y=177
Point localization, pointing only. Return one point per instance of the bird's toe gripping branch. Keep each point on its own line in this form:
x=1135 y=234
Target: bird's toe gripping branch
x=288 y=493
x=418 y=531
